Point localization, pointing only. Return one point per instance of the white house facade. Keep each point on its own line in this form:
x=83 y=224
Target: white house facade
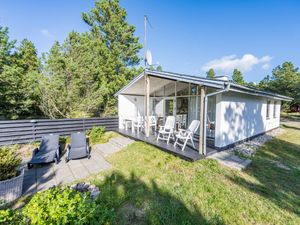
x=228 y=112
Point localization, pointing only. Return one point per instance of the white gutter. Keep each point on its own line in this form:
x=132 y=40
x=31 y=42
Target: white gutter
x=205 y=112
x=262 y=95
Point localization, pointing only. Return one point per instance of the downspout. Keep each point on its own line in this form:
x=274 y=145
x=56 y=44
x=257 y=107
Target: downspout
x=205 y=111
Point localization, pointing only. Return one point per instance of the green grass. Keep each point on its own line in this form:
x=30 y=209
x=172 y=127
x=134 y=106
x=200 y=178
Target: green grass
x=147 y=185
x=108 y=135
x=291 y=116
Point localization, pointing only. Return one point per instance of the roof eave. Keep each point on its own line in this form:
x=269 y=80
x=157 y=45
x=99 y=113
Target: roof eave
x=130 y=83
x=262 y=93
x=205 y=82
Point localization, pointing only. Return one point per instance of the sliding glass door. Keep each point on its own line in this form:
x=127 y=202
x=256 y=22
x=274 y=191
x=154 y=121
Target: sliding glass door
x=169 y=107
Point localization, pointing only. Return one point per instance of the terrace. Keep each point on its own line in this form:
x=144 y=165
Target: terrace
x=189 y=152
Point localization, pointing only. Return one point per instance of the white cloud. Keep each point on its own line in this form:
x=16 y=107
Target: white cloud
x=47 y=33
x=245 y=63
x=266 y=66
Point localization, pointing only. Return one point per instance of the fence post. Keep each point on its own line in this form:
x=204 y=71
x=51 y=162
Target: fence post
x=83 y=124
x=33 y=122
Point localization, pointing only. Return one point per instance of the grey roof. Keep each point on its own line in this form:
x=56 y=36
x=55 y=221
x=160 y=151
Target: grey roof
x=214 y=83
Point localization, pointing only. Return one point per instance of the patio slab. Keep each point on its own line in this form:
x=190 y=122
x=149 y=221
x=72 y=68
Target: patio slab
x=227 y=158
x=42 y=177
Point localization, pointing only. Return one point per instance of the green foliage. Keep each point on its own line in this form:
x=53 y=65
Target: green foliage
x=82 y=74
x=157 y=68
x=251 y=84
x=61 y=206
x=9 y=161
x=19 y=73
x=11 y=217
x=237 y=77
x=210 y=73
x=96 y=134
x=285 y=80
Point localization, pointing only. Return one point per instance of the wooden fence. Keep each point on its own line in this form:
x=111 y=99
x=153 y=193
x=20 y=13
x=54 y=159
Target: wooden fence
x=25 y=131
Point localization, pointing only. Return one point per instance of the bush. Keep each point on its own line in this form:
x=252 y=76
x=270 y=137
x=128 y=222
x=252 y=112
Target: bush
x=9 y=161
x=10 y=217
x=96 y=134
x=61 y=206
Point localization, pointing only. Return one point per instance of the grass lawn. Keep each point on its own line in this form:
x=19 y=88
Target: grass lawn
x=291 y=116
x=147 y=185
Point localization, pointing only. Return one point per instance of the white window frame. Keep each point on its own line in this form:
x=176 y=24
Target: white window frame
x=268 y=109
x=275 y=110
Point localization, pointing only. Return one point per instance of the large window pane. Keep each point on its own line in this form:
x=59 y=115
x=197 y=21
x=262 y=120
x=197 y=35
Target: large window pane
x=182 y=89
x=169 y=107
x=157 y=106
x=194 y=90
x=170 y=89
x=182 y=106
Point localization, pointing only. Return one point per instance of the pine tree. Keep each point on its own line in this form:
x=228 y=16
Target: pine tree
x=28 y=60
x=19 y=69
x=107 y=22
x=6 y=49
x=237 y=77
x=285 y=80
x=210 y=73
x=54 y=84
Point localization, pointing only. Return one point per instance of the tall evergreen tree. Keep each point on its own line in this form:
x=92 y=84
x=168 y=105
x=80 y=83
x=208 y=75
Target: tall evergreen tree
x=54 y=84
x=28 y=60
x=19 y=68
x=6 y=53
x=107 y=21
x=83 y=73
x=237 y=77
x=210 y=73
x=285 y=80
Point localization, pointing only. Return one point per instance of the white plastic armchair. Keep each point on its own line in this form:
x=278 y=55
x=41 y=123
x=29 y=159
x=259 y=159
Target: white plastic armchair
x=186 y=135
x=166 y=132
x=153 y=122
x=138 y=124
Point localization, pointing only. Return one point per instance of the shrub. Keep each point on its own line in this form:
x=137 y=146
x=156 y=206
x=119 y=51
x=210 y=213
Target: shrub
x=9 y=161
x=96 y=134
x=61 y=206
x=10 y=217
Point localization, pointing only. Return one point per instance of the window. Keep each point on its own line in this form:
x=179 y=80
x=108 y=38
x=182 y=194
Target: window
x=268 y=109
x=182 y=89
x=275 y=110
x=194 y=89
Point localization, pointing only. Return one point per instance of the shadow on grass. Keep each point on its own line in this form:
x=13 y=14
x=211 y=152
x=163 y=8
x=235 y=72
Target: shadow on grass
x=131 y=201
x=276 y=168
x=290 y=127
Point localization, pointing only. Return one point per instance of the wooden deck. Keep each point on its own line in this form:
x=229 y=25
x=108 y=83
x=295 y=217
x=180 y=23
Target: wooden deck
x=189 y=153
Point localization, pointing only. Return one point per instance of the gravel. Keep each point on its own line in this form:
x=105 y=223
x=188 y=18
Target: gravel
x=86 y=187
x=250 y=147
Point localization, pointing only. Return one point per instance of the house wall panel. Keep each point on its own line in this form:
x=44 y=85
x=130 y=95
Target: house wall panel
x=129 y=107
x=241 y=116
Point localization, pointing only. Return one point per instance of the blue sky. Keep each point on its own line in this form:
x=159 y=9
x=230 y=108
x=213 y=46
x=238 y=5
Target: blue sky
x=186 y=36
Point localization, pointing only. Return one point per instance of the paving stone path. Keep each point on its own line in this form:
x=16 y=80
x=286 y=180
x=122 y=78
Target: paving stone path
x=42 y=177
x=227 y=158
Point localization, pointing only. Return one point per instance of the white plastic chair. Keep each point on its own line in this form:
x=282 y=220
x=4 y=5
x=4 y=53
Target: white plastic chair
x=186 y=135
x=138 y=124
x=210 y=127
x=153 y=122
x=167 y=131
